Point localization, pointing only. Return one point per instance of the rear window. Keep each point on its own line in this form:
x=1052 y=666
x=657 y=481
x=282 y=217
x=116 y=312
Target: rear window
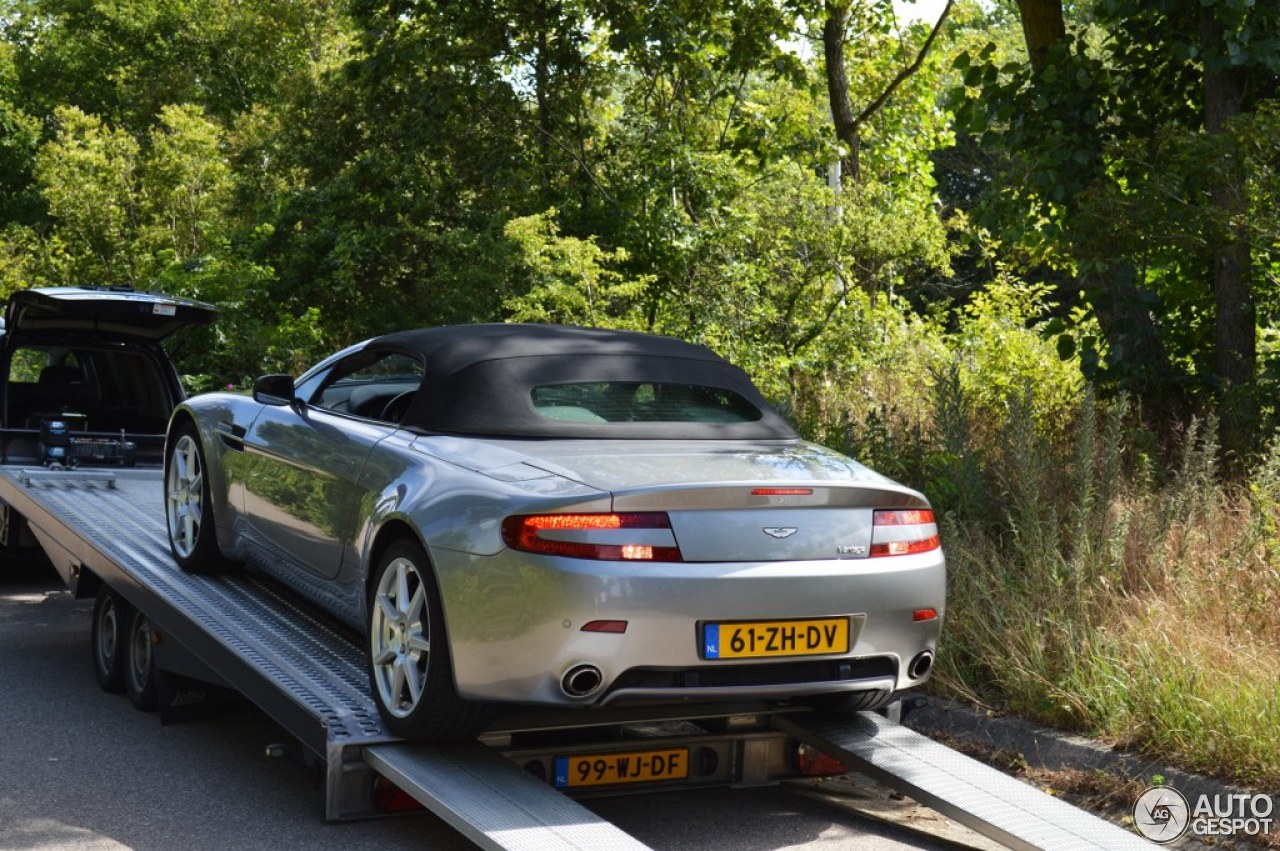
x=91 y=389
x=641 y=402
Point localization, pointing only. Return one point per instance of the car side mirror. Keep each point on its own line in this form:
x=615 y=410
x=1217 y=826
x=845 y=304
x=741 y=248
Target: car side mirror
x=273 y=390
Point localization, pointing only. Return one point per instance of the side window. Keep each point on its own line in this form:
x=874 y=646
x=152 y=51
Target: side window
x=372 y=385
x=45 y=382
x=307 y=389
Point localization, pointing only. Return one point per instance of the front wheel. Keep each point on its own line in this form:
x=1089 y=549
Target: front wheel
x=409 y=665
x=188 y=509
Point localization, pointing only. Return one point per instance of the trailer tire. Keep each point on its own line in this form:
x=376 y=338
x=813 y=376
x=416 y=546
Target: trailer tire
x=107 y=639
x=140 y=665
x=410 y=670
x=188 y=509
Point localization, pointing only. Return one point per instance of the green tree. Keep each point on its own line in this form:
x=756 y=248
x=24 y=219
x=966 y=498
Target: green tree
x=186 y=185
x=125 y=61
x=87 y=175
x=1090 y=123
x=571 y=280
x=19 y=137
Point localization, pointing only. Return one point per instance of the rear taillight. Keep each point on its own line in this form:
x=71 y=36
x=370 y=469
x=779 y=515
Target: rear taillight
x=637 y=536
x=903 y=531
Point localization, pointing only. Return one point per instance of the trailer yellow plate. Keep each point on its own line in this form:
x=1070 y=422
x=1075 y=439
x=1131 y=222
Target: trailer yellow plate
x=608 y=769
x=760 y=639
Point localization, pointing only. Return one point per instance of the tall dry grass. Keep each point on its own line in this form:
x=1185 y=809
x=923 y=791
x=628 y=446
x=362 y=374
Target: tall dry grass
x=1099 y=578
x=1136 y=604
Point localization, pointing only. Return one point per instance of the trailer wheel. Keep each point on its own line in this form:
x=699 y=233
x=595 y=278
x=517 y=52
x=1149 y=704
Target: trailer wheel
x=140 y=668
x=409 y=665
x=107 y=638
x=188 y=508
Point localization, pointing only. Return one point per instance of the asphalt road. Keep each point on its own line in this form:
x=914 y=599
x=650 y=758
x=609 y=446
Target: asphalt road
x=83 y=769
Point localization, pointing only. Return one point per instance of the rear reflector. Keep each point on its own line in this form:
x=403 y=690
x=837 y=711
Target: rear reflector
x=924 y=615
x=617 y=627
x=903 y=531
x=553 y=534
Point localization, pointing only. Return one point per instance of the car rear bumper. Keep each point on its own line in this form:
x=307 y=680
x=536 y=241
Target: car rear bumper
x=516 y=625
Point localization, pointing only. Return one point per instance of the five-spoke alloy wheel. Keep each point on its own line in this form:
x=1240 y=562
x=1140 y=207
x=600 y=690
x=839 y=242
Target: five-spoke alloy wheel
x=409 y=664
x=400 y=637
x=184 y=495
x=187 y=506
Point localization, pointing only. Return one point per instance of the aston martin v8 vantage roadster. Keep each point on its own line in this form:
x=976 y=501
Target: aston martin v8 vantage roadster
x=567 y=516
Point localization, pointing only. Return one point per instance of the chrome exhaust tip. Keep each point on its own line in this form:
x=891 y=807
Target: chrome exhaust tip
x=581 y=681
x=920 y=665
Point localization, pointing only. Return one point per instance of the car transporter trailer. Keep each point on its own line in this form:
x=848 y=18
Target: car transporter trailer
x=104 y=532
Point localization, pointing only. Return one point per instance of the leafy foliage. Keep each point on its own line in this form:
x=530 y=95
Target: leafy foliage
x=1031 y=235
x=1116 y=175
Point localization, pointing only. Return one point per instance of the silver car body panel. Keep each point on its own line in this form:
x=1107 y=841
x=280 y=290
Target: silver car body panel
x=312 y=496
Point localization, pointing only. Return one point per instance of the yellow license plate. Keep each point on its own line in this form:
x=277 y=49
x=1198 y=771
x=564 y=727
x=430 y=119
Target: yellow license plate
x=609 y=769
x=760 y=639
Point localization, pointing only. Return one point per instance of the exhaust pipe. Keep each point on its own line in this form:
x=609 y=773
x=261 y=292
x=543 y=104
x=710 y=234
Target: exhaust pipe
x=581 y=681
x=920 y=665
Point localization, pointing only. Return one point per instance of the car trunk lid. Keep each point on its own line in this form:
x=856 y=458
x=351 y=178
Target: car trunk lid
x=746 y=502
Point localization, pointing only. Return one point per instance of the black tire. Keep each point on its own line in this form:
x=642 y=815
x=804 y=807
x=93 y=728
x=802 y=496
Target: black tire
x=844 y=703
x=407 y=645
x=107 y=639
x=139 y=663
x=188 y=510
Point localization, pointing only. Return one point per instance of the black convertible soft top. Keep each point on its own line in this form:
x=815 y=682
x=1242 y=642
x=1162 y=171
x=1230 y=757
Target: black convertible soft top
x=479 y=380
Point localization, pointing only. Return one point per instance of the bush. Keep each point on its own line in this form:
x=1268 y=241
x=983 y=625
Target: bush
x=1091 y=586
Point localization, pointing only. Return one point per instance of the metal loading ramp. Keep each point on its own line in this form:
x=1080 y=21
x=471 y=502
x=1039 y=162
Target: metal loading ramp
x=493 y=802
x=994 y=804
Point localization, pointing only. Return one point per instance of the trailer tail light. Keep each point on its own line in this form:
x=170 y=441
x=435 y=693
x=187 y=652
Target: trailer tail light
x=903 y=531
x=811 y=762
x=637 y=536
x=390 y=798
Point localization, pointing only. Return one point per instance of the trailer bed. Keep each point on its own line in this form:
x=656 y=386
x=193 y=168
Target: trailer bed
x=307 y=672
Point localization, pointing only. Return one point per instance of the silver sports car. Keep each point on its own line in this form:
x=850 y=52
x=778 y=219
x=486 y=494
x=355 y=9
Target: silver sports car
x=567 y=516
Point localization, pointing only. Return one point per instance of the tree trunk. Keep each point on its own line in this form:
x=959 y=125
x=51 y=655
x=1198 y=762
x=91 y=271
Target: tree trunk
x=1132 y=332
x=846 y=125
x=540 y=84
x=1235 y=326
x=1043 y=26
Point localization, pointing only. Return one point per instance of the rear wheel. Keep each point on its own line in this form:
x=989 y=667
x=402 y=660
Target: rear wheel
x=188 y=509
x=107 y=637
x=850 y=701
x=140 y=663
x=409 y=665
